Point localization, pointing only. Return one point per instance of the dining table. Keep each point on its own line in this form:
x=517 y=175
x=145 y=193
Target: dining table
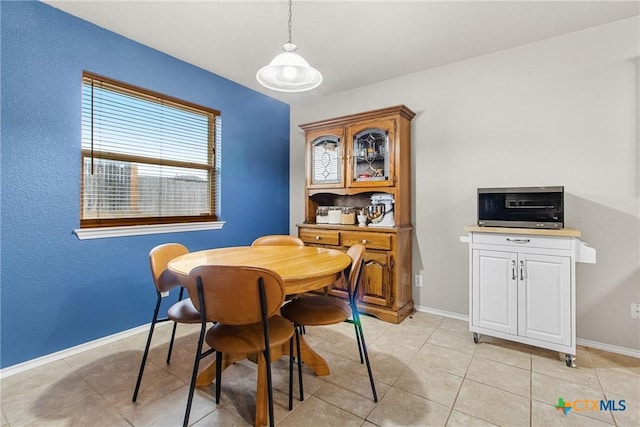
x=302 y=268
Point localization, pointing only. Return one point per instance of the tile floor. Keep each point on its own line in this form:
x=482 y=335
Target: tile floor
x=427 y=369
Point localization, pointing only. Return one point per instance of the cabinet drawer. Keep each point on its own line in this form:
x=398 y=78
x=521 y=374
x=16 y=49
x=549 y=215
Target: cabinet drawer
x=326 y=237
x=369 y=240
x=522 y=240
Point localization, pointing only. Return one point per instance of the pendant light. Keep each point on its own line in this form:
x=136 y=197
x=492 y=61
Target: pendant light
x=289 y=72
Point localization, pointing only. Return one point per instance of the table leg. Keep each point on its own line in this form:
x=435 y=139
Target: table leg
x=206 y=377
x=262 y=401
x=309 y=357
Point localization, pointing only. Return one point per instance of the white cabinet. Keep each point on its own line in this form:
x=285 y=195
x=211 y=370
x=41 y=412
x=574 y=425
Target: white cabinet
x=522 y=285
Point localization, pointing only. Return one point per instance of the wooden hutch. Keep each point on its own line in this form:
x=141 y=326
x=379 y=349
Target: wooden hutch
x=349 y=159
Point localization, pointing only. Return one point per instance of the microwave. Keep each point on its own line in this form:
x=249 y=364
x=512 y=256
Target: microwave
x=522 y=207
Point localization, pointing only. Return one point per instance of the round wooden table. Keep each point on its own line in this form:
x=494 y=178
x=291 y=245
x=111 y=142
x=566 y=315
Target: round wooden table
x=302 y=269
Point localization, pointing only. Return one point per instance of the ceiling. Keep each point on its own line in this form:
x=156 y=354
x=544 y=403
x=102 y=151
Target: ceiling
x=353 y=43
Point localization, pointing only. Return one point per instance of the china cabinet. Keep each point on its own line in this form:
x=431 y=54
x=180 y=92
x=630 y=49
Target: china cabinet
x=523 y=285
x=348 y=160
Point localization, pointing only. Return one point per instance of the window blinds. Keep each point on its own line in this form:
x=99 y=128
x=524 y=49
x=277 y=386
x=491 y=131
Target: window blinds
x=146 y=158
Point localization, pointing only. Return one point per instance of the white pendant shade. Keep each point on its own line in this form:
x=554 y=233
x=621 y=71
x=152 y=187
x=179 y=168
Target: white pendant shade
x=289 y=72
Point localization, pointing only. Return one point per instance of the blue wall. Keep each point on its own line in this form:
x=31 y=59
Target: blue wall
x=58 y=291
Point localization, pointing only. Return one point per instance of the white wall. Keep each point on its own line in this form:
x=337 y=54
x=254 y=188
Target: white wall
x=563 y=111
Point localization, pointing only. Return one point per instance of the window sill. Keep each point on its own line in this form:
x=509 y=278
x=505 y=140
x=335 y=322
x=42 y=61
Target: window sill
x=139 y=230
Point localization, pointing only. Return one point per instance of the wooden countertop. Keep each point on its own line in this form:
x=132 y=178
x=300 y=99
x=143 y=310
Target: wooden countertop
x=562 y=232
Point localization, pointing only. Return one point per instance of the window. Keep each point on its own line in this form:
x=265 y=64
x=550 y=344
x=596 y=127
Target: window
x=147 y=158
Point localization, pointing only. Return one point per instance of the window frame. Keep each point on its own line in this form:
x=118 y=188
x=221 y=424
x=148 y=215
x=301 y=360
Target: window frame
x=155 y=224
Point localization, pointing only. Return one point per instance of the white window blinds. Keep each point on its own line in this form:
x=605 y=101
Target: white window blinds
x=146 y=158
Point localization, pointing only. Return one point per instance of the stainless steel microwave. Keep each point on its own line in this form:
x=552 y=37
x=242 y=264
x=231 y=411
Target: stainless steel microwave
x=524 y=207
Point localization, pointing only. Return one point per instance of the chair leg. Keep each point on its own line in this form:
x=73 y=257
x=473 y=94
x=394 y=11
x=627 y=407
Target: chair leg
x=358 y=341
x=173 y=333
x=366 y=357
x=146 y=349
x=267 y=348
x=301 y=329
x=218 y=375
x=267 y=360
x=298 y=353
x=194 y=375
x=291 y=373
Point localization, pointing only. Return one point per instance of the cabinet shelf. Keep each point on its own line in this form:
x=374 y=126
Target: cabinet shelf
x=371 y=179
x=354 y=227
x=355 y=191
x=370 y=159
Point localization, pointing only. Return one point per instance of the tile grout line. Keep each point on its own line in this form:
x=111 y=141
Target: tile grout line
x=604 y=393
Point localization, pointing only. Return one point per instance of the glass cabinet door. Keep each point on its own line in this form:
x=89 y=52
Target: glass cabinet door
x=326 y=160
x=371 y=154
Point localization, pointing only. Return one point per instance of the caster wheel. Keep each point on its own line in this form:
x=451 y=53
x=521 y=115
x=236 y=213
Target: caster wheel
x=476 y=338
x=569 y=360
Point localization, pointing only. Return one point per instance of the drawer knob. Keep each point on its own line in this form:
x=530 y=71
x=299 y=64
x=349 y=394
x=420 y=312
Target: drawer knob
x=317 y=237
x=364 y=241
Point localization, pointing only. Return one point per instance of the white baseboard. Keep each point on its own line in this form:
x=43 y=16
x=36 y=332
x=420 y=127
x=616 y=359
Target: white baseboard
x=609 y=347
x=579 y=341
x=58 y=355
x=449 y=314
x=30 y=364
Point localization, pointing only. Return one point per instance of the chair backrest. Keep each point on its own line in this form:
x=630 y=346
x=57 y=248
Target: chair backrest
x=231 y=294
x=278 y=240
x=356 y=252
x=159 y=257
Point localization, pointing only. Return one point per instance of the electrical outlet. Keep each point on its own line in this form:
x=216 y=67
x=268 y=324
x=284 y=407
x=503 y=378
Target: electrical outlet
x=635 y=311
x=417 y=280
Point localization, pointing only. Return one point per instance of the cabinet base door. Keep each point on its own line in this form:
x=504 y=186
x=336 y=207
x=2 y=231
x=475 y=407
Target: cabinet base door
x=545 y=298
x=495 y=291
x=374 y=288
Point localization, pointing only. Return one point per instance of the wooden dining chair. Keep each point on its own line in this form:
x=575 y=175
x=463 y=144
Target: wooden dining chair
x=181 y=312
x=329 y=310
x=277 y=240
x=244 y=304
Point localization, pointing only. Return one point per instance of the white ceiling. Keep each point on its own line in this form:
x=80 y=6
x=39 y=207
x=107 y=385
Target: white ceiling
x=352 y=43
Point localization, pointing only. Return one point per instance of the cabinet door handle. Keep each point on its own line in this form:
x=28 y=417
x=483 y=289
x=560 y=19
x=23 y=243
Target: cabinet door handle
x=513 y=270
x=364 y=241
x=521 y=270
x=521 y=241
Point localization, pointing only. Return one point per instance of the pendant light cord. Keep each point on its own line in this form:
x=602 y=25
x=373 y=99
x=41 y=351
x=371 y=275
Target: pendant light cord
x=290 y=21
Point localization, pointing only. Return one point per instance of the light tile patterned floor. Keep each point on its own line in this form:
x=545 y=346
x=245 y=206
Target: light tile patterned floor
x=427 y=369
